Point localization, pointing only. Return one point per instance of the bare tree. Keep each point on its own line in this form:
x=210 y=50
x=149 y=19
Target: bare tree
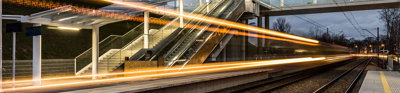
x=315 y=32
x=281 y=25
x=391 y=17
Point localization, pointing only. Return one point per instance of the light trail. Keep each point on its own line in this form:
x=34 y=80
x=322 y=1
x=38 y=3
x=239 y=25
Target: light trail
x=93 y=12
x=164 y=11
x=161 y=70
x=261 y=63
x=230 y=24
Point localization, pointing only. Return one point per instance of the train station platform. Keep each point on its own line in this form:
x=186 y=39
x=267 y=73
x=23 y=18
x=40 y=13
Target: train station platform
x=381 y=82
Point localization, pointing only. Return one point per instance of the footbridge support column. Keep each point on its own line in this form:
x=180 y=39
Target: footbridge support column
x=244 y=41
x=146 y=30
x=266 y=41
x=260 y=40
x=181 y=6
x=37 y=58
x=95 y=50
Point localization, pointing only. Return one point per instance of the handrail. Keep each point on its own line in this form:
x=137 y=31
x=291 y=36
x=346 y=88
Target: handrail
x=201 y=32
x=185 y=36
x=169 y=38
x=210 y=36
x=110 y=35
x=173 y=21
x=108 y=38
x=129 y=44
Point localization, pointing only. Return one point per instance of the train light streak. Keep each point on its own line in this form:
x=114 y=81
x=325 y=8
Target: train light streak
x=210 y=20
x=162 y=70
x=86 y=11
x=196 y=71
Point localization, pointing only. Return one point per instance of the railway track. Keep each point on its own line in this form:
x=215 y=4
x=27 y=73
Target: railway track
x=338 y=80
x=335 y=78
x=345 y=82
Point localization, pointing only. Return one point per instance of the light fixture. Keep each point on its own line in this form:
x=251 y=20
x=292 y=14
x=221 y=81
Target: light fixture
x=63 y=19
x=69 y=28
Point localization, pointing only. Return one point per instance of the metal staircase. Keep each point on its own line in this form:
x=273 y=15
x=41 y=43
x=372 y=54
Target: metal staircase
x=112 y=59
x=197 y=45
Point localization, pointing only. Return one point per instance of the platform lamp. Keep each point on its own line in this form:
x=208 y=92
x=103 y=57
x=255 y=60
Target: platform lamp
x=14 y=28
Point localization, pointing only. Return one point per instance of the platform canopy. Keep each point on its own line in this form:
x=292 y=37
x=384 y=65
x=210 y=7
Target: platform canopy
x=63 y=16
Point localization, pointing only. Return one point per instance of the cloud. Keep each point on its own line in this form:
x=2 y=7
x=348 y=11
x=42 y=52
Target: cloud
x=337 y=22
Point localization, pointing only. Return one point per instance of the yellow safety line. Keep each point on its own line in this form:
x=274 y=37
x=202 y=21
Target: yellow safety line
x=385 y=84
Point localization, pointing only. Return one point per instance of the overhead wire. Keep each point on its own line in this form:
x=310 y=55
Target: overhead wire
x=349 y=20
x=358 y=24
x=304 y=18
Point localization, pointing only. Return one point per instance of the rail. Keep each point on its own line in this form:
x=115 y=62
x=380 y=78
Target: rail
x=330 y=83
x=354 y=82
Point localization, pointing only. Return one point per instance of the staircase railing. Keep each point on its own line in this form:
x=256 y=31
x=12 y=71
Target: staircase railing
x=181 y=40
x=111 y=42
x=213 y=39
x=155 y=36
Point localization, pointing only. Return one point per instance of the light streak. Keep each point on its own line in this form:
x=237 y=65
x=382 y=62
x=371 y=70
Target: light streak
x=261 y=63
x=163 y=11
x=160 y=70
x=210 y=20
x=93 y=12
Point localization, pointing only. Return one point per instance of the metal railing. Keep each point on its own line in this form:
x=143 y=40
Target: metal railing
x=113 y=61
x=201 y=50
x=286 y=3
x=156 y=36
x=192 y=33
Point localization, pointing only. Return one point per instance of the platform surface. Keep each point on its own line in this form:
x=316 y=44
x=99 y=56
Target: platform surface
x=381 y=82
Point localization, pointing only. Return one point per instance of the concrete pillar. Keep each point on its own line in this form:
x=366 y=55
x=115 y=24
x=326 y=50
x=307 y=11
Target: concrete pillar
x=95 y=51
x=181 y=7
x=244 y=41
x=146 y=30
x=266 y=41
x=1 y=46
x=37 y=59
x=13 y=58
x=260 y=40
x=208 y=7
